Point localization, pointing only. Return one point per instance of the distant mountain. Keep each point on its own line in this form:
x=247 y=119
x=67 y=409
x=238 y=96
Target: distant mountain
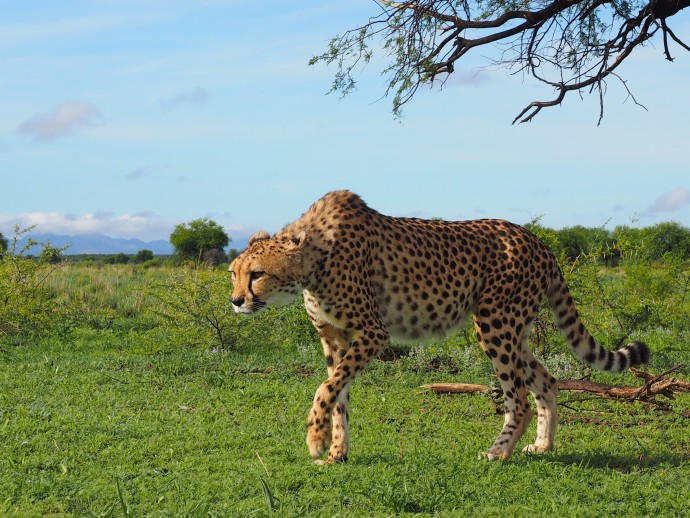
x=98 y=244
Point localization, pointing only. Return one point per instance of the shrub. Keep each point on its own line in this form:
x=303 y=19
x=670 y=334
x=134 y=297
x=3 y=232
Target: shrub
x=195 y=304
x=27 y=305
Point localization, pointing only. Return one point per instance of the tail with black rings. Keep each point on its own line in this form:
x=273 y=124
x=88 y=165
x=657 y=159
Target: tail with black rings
x=581 y=342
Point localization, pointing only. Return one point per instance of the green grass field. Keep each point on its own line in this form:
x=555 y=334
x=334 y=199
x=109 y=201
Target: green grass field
x=115 y=417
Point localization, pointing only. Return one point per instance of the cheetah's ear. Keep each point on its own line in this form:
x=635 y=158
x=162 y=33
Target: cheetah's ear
x=297 y=241
x=261 y=235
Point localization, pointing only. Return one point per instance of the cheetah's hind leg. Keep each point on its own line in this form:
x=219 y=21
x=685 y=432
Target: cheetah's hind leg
x=509 y=369
x=544 y=388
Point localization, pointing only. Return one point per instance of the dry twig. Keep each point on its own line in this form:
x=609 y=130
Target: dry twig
x=655 y=385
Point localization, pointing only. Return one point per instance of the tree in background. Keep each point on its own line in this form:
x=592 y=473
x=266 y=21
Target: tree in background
x=667 y=238
x=579 y=240
x=199 y=240
x=653 y=243
x=570 y=45
x=143 y=256
x=3 y=244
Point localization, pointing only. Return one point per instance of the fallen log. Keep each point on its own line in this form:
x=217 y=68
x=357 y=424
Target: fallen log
x=654 y=385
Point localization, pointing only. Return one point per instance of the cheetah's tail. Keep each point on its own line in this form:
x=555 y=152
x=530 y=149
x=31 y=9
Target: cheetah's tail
x=581 y=342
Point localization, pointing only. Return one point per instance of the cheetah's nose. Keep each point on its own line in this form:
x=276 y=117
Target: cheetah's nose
x=237 y=301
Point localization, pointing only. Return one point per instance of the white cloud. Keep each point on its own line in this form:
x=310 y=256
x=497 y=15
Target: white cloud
x=64 y=120
x=143 y=225
x=196 y=96
x=671 y=201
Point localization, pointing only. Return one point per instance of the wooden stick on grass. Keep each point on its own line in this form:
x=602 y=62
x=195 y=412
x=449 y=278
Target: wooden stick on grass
x=654 y=385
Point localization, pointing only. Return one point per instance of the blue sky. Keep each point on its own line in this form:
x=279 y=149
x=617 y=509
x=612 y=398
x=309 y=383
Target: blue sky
x=126 y=118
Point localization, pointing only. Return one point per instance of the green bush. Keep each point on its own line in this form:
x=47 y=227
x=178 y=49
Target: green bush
x=195 y=305
x=27 y=305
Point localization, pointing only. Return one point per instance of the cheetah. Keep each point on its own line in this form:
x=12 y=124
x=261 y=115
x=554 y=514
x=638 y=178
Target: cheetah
x=368 y=278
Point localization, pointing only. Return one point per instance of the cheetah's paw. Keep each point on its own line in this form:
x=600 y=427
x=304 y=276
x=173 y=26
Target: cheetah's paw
x=318 y=440
x=537 y=448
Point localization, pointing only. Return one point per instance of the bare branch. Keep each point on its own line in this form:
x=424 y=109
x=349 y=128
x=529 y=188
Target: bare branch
x=675 y=38
x=536 y=107
x=655 y=385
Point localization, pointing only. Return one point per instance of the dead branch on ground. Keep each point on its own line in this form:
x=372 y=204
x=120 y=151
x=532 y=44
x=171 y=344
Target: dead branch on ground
x=654 y=385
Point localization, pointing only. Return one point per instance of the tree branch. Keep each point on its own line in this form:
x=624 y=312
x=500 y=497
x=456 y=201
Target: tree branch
x=570 y=45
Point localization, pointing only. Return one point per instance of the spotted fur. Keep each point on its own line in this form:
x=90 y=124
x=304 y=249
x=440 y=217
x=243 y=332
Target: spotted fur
x=369 y=278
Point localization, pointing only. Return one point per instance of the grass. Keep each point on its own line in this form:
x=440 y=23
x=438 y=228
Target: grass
x=98 y=295
x=114 y=413
x=121 y=424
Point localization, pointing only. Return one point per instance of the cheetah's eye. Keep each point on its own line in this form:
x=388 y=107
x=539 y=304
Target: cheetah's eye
x=255 y=275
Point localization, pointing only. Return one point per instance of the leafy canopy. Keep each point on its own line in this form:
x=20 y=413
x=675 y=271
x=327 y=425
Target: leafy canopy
x=192 y=240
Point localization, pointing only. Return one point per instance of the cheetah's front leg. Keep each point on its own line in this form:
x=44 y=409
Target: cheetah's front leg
x=322 y=431
x=328 y=418
x=336 y=343
x=319 y=424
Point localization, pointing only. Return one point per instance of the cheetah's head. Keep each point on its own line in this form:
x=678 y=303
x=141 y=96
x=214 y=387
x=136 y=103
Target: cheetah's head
x=268 y=272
